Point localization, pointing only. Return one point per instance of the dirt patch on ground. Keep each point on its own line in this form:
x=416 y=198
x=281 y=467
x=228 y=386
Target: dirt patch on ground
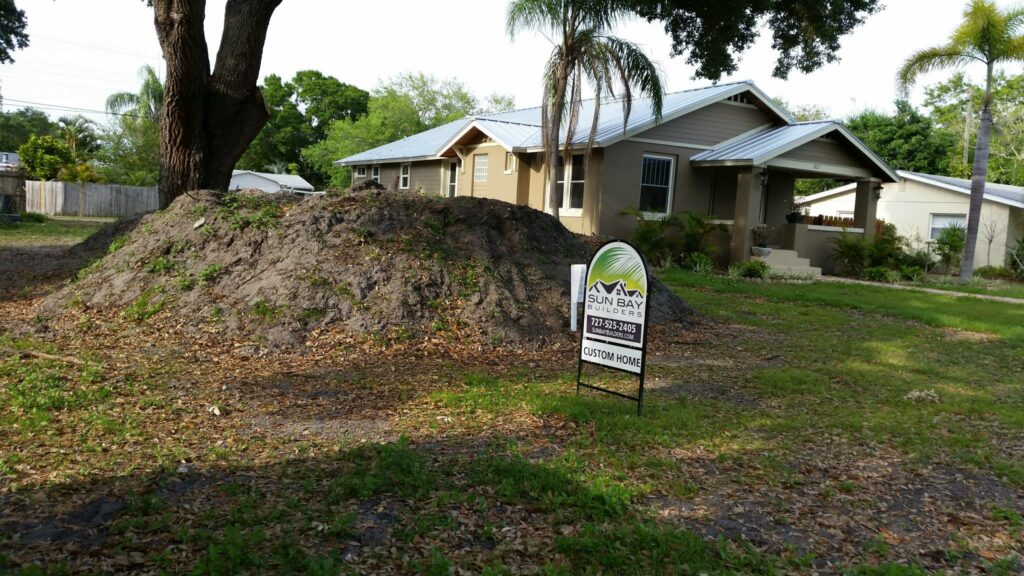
x=392 y=265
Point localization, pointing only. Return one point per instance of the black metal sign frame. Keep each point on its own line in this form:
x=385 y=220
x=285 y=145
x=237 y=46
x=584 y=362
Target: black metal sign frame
x=639 y=398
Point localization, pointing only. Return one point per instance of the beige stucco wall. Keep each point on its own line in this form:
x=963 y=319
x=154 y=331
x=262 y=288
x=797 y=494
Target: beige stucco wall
x=500 y=185
x=623 y=162
x=910 y=204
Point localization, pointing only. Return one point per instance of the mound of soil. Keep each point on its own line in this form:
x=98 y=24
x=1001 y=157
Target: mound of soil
x=394 y=265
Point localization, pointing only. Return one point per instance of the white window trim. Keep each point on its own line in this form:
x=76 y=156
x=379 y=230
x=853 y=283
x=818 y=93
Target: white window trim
x=404 y=179
x=563 y=211
x=448 y=183
x=360 y=171
x=486 y=165
x=510 y=167
x=671 y=185
x=375 y=174
x=931 y=221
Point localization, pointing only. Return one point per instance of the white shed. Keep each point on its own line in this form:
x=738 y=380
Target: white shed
x=241 y=179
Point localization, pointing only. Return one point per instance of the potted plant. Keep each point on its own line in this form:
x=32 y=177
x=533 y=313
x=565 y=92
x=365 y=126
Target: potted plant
x=760 y=235
x=794 y=216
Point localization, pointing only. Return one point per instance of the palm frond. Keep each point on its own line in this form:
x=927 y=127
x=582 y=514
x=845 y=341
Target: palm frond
x=122 y=102
x=532 y=14
x=929 y=60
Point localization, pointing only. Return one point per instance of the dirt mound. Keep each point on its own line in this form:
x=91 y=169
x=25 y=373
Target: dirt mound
x=395 y=265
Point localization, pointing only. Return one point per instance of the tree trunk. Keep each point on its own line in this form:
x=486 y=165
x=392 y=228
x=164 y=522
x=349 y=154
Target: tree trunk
x=554 y=128
x=979 y=174
x=208 y=119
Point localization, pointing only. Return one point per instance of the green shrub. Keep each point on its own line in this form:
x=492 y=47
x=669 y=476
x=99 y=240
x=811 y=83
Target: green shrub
x=699 y=263
x=34 y=217
x=887 y=248
x=950 y=246
x=881 y=274
x=851 y=253
x=161 y=265
x=912 y=273
x=917 y=259
x=994 y=273
x=672 y=239
x=1015 y=256
x=755 y=269
x=210 y=273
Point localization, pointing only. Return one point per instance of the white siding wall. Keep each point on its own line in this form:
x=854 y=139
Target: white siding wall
x=242 y=181
x=909 y=205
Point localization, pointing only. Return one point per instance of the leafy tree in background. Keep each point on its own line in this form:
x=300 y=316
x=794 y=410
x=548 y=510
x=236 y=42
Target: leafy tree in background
x=907 y=140
x=79 y=135
x=17 y=126
x=956 y=105
x=146 y=103
x=12 y=30
x=584 y=53
x=499 y=103
x=129 y=151
x=438 y=101
x=806 y=33
x=324 y=99
x=44 y=156
x=986 y=36
x=79 y=172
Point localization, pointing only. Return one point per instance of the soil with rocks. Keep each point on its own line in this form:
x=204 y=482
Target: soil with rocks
x=280 y=269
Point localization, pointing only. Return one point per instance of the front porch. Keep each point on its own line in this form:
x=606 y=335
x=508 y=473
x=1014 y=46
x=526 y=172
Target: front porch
x=753 y=183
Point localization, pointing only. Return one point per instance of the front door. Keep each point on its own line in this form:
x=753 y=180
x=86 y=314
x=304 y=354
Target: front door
x=453 y=178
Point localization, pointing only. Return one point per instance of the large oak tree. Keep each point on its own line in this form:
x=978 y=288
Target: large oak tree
x=209 y=116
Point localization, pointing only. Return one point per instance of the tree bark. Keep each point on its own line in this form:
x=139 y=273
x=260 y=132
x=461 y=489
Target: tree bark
x=979 y=174
x=209 y=119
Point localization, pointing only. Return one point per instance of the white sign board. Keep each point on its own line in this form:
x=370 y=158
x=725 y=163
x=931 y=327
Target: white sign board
x=577 y=281
x=615 y=309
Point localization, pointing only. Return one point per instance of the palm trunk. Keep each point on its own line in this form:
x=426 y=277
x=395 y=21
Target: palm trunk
x=979 y=174
x=554 y=127
x=208 y=120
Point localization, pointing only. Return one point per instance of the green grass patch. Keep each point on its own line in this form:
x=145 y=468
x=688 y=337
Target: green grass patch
x=49 y=231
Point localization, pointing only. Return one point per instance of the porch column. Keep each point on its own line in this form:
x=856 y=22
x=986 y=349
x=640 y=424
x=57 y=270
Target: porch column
x=865 y=208
x=747 y=213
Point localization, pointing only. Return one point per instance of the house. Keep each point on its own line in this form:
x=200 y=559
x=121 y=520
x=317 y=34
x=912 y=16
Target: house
x=241 y=179
x=726 y=150
x=8 y=161
x=921 y=205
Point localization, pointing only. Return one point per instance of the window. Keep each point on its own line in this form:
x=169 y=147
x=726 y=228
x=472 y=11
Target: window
x=575 y=175
x=510 y=162
x=361 y=171
x=656 y=178
x=376 y=173
x=940 y=221
x=403 y=177
x=453 y=178
x=480 y=168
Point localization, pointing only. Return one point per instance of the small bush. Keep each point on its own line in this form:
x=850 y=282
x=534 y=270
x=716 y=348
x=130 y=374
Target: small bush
x=673 y=239
x=912 y=273
x=1015 y=257
x=881 y=274
x=754 y=269
x=851 y=253
x=34 y=217
x=950 y=246
x=699 y=263
x=994 y=273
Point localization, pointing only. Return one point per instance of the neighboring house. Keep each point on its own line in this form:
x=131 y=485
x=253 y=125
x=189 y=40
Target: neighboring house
x=921 y=205
x=8 y=161
x=241 y=179
x=727 y=150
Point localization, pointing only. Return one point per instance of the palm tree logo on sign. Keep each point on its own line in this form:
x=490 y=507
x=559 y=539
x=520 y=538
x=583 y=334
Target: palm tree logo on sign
x=615 y=311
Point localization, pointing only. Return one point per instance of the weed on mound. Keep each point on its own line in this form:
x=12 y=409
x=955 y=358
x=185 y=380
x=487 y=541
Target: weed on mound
x=388 y=265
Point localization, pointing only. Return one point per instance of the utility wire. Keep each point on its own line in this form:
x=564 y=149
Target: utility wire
x=59 y=107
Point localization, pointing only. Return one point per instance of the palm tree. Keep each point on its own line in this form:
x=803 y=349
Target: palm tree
x=583 y=52
x=78 y=134
x=986 y=36
x=146 y=103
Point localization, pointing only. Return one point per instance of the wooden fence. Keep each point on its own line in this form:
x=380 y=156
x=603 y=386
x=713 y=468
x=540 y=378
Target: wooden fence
x=12 y=185
x=99 y=200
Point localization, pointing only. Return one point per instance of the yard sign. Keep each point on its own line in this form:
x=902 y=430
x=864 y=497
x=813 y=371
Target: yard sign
x=615 y=315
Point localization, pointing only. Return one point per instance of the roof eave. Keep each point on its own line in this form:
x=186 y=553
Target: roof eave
x=350 y=162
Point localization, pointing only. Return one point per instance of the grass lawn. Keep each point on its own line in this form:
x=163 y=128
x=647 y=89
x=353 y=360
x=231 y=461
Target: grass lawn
x=823 y=428
x=52 y=231
x=979 y=286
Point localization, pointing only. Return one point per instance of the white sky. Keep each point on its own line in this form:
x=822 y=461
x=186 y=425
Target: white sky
x=81 y=51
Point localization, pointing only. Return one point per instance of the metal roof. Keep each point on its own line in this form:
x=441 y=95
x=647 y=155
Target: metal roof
x=759 y=148
x=283 y=180
x=1004 y=193
x=416 y=147
x=9 y=158
x=520 y=130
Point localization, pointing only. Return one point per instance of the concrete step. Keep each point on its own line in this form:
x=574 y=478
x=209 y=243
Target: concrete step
x=796 y=271
x=789 y=263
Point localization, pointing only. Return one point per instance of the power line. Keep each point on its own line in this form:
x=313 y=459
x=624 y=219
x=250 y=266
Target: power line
x=62 y=108
x=95 y=47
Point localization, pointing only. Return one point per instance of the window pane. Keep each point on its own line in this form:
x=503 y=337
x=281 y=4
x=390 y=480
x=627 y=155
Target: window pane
x=576 y=195
x=480 y=167
x=655 y=180
x=654 y=199
x=578 y=173
x=560 y=194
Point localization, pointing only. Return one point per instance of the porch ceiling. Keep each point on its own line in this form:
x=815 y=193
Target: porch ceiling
x=766 y=148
